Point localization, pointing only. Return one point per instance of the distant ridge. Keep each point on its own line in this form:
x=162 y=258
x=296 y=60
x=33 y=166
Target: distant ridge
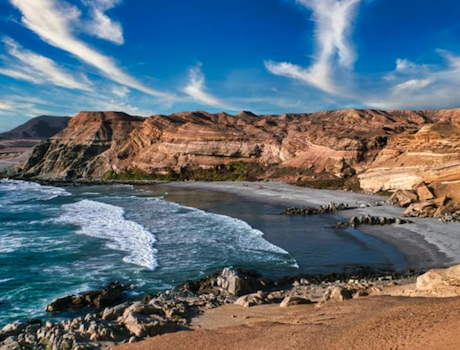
x=38 y=128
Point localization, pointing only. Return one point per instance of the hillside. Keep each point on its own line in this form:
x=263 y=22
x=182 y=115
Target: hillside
x=384 y=150
x=39 y=128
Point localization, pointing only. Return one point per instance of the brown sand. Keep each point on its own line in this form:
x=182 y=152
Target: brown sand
x=381 y=322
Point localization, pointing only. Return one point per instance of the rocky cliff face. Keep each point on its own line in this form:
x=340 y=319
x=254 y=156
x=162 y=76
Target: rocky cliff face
x=431 y=155
x=390 y=150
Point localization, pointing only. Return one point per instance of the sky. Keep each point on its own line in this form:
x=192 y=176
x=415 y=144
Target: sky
x=59 y=57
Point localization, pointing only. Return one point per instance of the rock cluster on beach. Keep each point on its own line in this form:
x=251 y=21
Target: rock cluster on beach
x=170 y=311
x=356 y=221
x=323 y=209
x=421 y=202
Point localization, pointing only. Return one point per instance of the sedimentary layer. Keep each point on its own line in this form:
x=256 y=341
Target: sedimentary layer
x=388 y=150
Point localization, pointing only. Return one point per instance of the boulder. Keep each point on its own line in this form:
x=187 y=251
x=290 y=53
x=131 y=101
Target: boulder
x=61 y=304
x=12 y=329
x=424 y=209
x=440 y=282
x=249 y=300
x=148 y=325
x=235 y=283
x=444 y=210
x=112 y=313
x=336 y=295
x=403 y=198
x=290 y=301
x=423 y=192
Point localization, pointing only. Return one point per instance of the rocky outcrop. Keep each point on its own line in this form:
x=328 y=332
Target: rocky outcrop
x=172 y=310
x=440 y=282
x=338 y=143
x=97 y=299
x=430 y=155
x=88 y=147
x=389 y=150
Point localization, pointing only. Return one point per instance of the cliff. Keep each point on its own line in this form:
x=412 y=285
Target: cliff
x=388 y=149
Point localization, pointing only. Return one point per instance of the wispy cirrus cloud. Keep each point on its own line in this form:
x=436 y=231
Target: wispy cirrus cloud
x=413 y=85
x=6 y=105
x=56 y=22
x=101 y=25
x=410 y=85
x=196 y=89
x=335 y=54
x=26 y=65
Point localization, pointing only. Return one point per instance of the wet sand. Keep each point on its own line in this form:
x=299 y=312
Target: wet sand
x=425 y=244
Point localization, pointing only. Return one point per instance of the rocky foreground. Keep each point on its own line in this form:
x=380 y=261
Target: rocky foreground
x=111 y=320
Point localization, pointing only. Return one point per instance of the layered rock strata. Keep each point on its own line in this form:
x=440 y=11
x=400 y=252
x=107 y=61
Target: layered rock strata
x=389 y=151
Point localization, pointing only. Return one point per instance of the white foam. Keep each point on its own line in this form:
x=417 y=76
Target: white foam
x=23 y=191
x=209 y=237
x=107 y=222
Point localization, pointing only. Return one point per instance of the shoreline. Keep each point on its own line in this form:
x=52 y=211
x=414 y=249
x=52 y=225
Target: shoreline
x=420 y=243
x=410 y=240
x=172 y=310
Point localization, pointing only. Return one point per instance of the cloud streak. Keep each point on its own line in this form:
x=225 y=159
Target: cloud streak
x=101 y=25
x=5 y=106
x=26 y=65
x=196 y=89
x=54 y=22
x=335 y=55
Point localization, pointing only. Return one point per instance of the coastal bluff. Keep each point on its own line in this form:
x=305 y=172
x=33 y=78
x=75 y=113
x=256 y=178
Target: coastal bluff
x=378 y=150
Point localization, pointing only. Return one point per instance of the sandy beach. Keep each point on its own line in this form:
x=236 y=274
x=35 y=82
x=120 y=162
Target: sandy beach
x=426 y=243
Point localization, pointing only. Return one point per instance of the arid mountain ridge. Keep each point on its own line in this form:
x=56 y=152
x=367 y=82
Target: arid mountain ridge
x=19 y=140
x=385 y=150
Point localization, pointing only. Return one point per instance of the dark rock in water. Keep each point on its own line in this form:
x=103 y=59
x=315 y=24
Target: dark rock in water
x=324 y=209
x=372 y=220
x=61 y=304
x=97 y=299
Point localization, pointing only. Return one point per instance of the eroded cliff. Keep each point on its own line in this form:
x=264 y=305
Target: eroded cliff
x=387 y=149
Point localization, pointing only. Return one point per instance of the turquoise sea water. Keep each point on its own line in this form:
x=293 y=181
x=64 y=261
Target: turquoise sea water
x=59 y=241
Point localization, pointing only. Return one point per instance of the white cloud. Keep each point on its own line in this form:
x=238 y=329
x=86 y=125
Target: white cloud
x=5 y=105
x=413 y=85
x=120 y=91
x=196 y=89
x=26 y=65
x=55 y=21
x=20 y=75
x=335 y=55
x=101 y=25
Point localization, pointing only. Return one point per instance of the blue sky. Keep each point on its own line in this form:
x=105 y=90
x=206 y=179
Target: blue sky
x=58 y=57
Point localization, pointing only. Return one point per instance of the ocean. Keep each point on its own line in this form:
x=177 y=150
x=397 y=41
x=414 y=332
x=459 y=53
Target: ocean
x=56 y=241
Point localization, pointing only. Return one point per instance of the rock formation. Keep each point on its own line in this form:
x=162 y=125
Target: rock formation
x=392 y=150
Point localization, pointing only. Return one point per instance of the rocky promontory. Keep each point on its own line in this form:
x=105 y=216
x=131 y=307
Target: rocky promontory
x=112 y=323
